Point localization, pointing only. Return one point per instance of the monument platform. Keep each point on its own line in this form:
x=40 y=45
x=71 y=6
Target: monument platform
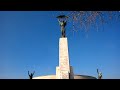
x=75 y=77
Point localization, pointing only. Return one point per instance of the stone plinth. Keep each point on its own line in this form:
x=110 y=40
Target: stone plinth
x=75 y=77
x=59 y=73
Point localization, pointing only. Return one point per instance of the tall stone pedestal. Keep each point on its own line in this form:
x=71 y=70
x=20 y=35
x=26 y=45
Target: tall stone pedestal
x=64 y=70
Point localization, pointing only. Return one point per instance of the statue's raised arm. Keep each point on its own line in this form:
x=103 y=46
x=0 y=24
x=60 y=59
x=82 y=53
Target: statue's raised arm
x=28 y=73
x=33 y=72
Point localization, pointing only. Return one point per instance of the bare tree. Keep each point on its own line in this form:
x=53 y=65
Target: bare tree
x=87 y=19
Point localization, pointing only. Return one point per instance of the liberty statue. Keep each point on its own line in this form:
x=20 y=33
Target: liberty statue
x=62 y=22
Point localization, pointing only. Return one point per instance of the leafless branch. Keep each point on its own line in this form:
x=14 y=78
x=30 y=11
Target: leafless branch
x=87 y=19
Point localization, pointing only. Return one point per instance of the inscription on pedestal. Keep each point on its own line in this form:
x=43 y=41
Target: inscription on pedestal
x=64 y=65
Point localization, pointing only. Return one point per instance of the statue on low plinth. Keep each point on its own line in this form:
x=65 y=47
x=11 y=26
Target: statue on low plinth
x=31 y=75
x=99 y=74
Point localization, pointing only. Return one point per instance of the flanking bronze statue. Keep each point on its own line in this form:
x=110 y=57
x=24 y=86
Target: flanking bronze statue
x=31 y=75
x=99 y=74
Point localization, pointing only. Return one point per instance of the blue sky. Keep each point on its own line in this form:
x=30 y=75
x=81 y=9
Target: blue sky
x=29 y=41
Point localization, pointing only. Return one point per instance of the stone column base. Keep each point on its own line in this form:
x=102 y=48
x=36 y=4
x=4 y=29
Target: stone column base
x=63 y=74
